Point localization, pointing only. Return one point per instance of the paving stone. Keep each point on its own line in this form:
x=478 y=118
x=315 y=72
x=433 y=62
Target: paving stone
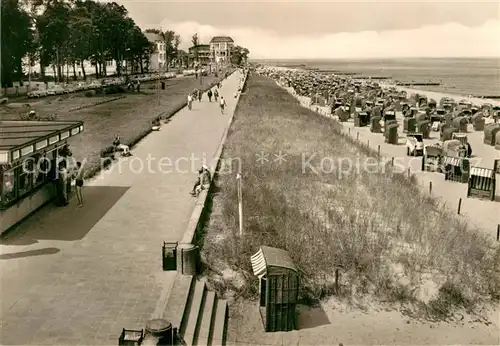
x=105 y=274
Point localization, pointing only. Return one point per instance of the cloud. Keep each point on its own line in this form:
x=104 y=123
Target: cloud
x=447 y=40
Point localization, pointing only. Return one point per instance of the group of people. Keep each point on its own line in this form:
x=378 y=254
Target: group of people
x=64 y=181
x=198 y=94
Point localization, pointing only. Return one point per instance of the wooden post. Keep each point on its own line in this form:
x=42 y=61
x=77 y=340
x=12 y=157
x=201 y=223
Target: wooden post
x=337 y=279
x=378 y=150
x=409 y=173
x=349 y=131
x=357 y=136
x=368 y=144
x=430 y=186
x=392 y=162
x=498 y=232
x=459 y=206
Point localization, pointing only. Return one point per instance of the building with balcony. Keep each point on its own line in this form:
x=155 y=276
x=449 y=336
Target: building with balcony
x=220 y=48
x=201 y=54
x=157 y=59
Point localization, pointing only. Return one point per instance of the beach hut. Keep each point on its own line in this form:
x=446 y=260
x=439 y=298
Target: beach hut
x=432 y=104
x=482 y=182
x=447 y=132
x=421 y=100
x=391 y=134
x=423 y=127
x=490 y=132
x=421 y=116
x=361 y=119
x=449 y=107
x=342 y=113
x=456 y=169
x=460 y=123
x=377 y=111
x=389 y=114
x=478 y=121
x=432 y=159
x=278 y=288
x=375 y=125
x=409 y=124
x=389 y=122
x=454 y=148
x=465 y=104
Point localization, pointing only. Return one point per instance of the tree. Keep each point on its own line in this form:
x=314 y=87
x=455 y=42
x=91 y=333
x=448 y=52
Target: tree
x=195 y=40
x=239 y=55
x=17 y=40
x=177 y=42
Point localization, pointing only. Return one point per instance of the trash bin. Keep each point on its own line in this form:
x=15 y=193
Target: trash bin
x=169 y=256
x=131 y=337
x=160 y=329
x=187 y=259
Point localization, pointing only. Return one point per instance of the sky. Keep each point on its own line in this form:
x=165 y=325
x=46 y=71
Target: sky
x=333 y=29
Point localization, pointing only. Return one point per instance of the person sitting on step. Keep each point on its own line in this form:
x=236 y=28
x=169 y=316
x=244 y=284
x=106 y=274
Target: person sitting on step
x=203 y=181
x=124 y=149
x=156 y=125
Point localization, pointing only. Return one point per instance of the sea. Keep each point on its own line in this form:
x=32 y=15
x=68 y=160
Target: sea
x=460 y=76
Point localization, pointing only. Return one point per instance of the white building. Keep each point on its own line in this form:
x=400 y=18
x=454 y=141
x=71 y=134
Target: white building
x=221 y=47
x=158 y=59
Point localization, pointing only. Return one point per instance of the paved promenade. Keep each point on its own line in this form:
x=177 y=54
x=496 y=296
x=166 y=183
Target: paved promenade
x=77 y=276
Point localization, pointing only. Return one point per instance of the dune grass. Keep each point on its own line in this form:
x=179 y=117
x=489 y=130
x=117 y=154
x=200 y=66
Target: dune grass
x=392 y=242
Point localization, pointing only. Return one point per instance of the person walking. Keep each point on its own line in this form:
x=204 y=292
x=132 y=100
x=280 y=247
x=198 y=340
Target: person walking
x=216 y=95
x=79 y=183
x=222 y=104
x=200 y=95
x=190 y=102
x=209 y=94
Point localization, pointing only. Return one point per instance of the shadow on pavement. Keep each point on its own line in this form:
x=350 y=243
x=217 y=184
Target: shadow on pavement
x=311 y=317
x=68 y=223
x=30 y=253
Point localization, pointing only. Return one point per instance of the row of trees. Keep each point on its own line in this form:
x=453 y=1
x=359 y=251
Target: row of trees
x=70 y=32
x=61 y=33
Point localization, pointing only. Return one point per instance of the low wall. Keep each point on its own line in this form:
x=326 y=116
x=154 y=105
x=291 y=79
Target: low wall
x=193 y=233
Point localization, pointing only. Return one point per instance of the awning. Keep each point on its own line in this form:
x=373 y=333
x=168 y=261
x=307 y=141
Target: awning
x=268 y=258
x=481 y=172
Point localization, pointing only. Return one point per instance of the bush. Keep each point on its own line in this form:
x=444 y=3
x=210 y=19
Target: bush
x=90 y=93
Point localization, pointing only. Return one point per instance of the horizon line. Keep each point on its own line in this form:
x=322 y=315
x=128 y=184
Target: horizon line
x=376 y=58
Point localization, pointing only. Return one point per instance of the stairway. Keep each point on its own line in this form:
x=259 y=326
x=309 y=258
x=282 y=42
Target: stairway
x=198 y=317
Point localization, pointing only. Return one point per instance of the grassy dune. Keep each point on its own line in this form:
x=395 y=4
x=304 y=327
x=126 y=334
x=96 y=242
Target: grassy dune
x=332 y=204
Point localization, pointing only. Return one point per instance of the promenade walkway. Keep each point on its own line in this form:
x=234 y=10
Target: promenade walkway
x=77 y=276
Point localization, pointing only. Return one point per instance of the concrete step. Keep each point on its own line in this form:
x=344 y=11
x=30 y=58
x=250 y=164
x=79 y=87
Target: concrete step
x=202 y=335
x=195 y=304
x=177 y=301
x=219 y=324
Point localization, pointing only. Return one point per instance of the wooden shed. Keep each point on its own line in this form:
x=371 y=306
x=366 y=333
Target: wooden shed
x=278 y=287
x=490 y=132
